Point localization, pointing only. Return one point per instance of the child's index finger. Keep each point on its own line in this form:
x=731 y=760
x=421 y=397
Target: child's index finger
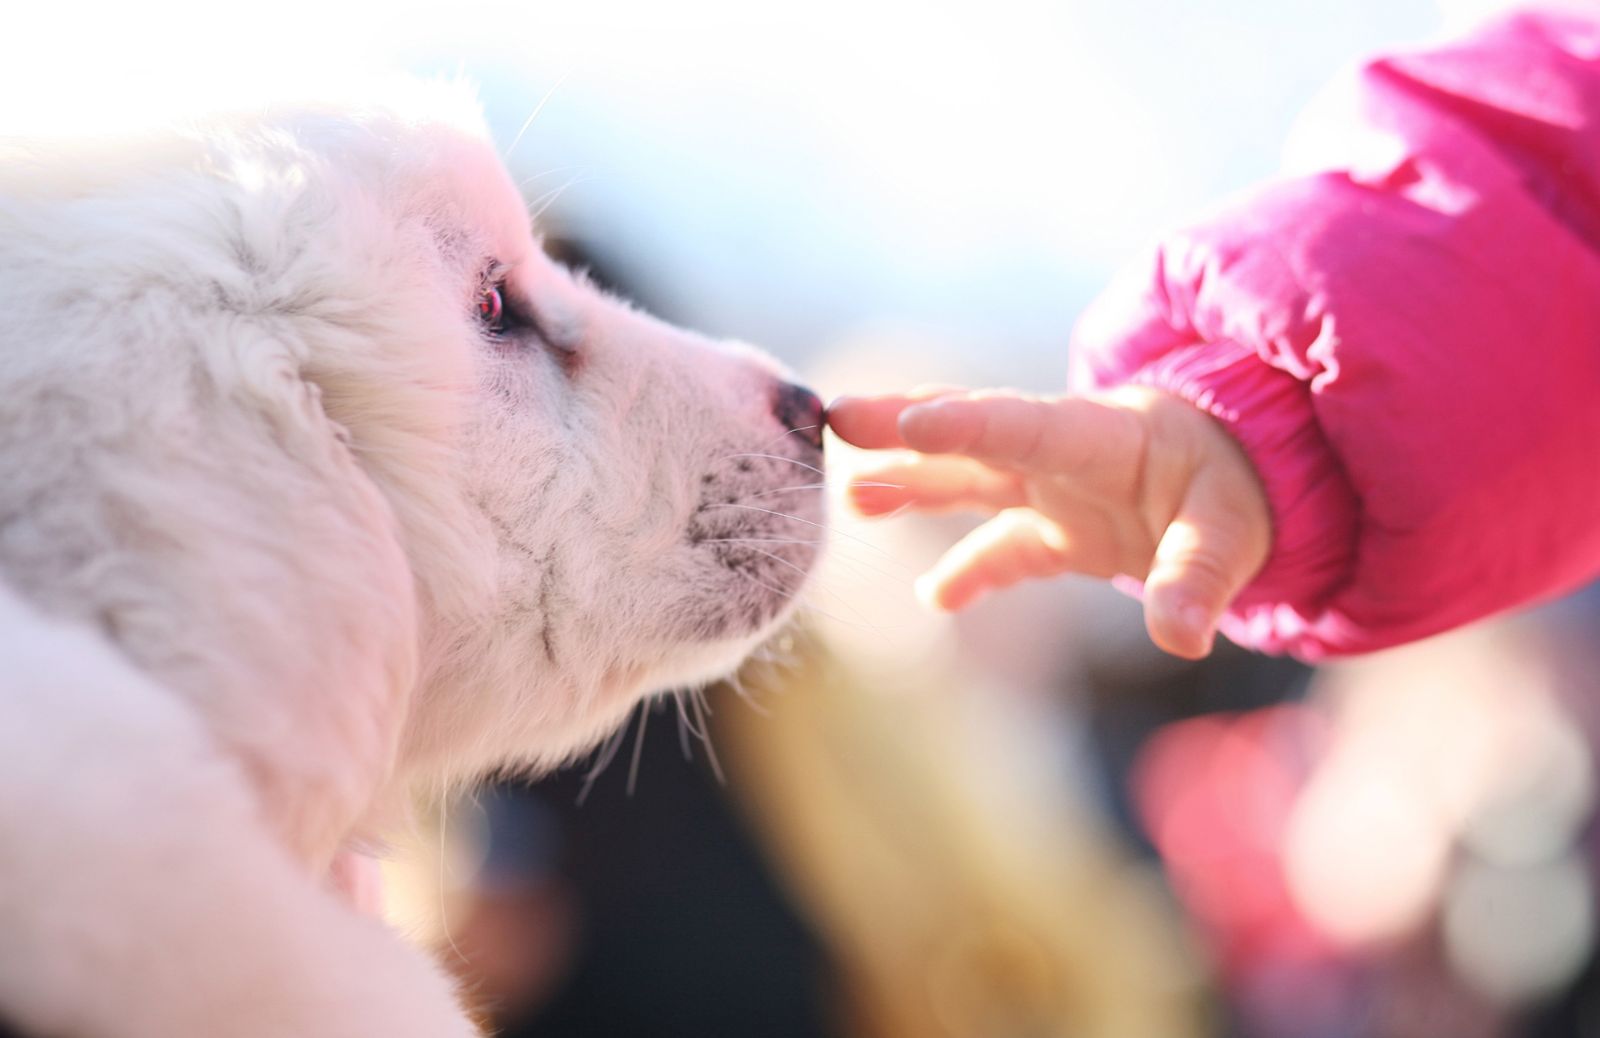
x=873 y=422
x=1011 y=430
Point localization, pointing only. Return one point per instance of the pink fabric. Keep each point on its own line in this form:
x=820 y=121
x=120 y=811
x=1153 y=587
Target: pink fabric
x=1408 y=348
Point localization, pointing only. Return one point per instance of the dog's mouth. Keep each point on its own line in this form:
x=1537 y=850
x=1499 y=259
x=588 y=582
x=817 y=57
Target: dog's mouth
x=760 y=523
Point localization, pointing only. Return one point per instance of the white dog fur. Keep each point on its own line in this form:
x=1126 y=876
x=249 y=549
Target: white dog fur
x=288 y=532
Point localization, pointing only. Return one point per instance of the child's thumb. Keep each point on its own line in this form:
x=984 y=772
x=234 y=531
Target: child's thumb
x=1216 y=543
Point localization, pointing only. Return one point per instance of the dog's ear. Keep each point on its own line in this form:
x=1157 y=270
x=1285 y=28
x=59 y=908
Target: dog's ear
x=397 y=409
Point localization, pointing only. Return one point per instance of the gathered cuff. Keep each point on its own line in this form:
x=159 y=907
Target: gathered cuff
x=1313 y=506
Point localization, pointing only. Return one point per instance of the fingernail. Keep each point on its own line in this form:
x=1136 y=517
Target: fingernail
x=925 y=407
x=922 y=414
x=1197 y=618
x=928 y=588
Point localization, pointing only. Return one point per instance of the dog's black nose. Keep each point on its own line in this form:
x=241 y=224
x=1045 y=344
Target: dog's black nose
x=800 y=411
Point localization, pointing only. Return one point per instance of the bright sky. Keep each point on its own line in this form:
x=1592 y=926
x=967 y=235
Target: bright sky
x=975 y=171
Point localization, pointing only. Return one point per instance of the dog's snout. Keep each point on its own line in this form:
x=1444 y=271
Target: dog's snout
x=801 y=412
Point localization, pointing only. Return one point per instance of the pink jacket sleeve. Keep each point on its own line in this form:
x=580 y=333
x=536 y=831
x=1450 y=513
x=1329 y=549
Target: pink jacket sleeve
x=1407 y=347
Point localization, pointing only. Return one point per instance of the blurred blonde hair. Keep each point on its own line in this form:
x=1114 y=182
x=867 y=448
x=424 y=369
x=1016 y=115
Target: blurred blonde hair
x=948 y=917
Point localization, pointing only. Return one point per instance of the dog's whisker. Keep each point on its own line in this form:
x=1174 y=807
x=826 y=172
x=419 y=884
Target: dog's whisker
x=824 y=486
x=764 y=540
x=525 y=181
x=838 y=552
x=683 y=725
x=863 y=624
x=606 y=754
x=896 y=513
x=789 y=592
x=775 y=457
x=766 y=511
x=686 y=695
x=638 y=747
x=743 y=693
x=785 y=435
x=781 y=592
x=548 y=94
x=810 y=522
x=538 y=205
x=783 y=561
x=867 y=624
x=841 y=556
x=701 y=709
x=871 y=628
x=788 y=490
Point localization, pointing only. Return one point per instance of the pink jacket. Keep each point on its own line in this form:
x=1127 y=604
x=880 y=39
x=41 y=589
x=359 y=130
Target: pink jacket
x=1408 y=347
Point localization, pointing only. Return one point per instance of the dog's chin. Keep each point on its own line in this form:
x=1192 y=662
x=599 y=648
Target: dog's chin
x=687 y=667
x=692 y=666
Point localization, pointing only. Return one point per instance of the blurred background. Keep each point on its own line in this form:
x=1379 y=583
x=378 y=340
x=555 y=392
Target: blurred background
x=1023 y=821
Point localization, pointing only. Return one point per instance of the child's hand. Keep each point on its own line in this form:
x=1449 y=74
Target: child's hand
x=1138 y=483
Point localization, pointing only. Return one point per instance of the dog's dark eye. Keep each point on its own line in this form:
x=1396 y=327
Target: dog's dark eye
x=492 y=309
x=508 y=320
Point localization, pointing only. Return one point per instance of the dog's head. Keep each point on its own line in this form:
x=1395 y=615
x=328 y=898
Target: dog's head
x=592 y=505
x=651 y=498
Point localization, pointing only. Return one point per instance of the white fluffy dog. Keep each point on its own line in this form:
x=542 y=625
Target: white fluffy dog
x=319 y=484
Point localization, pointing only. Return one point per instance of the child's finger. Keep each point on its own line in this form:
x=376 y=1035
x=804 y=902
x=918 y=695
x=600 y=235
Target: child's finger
x=1056 y=435
x=1016 y=544
x=873 y=421
x=1212 y=549
x=934 y=484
